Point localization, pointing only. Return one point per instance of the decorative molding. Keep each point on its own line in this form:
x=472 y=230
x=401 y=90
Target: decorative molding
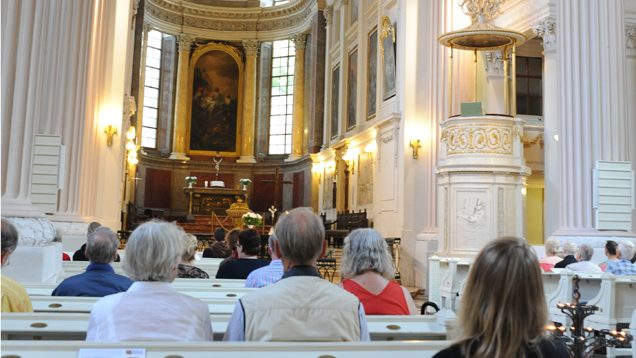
x=478 y=138
x=65 y=228
x=251 y=47
x=300 y=41
x=494 y=62
x=328 y=14
x=147 y=28
x=185 y=42
x=387 y=139
x=630 y=41
x=426 y=237
x=33 y=231
x=546 y=29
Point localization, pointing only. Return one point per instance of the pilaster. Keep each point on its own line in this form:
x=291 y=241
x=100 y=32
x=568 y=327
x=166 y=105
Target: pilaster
x=181 y=104
x=300 y=41
x=249 y=102
x=630 y=76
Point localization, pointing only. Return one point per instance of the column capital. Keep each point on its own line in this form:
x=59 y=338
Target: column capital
x=146 y=29
x=328 y=14
x=494 y=61
x=251 y=47
x=185 y=42
x=630 y=40
x=546 y=29
x=300 y=41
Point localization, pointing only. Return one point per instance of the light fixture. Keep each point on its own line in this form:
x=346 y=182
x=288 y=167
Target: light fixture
x=416 y=144
x=131 y=146
x=371 y=149
x=110 y=131
x=316 y=169
x=349 y=159
x=330 y=166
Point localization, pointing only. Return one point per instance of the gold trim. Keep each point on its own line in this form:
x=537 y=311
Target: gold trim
x=538 y=138
x=238 y=57
x=354 y=50
x=513 y=37
x=366 y=110
x=333 y=71
x=486 y=138
x=386 y=29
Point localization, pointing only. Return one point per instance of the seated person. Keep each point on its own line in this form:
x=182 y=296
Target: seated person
x=584 y=255
x=504 y=313
x=231 y=238
x=151 y=309
x=367 y=272
x=186 y=270
x=14 y=296
x=100 y=279
x=610 y=252
x=219 y=249
x=624 y=253
x=80 y=255
x=569 y=250
x=269 y=274
x=551 y=251
x=249 y=243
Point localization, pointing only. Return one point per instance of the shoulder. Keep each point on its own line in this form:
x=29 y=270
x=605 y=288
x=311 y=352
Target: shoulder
x=451 y=352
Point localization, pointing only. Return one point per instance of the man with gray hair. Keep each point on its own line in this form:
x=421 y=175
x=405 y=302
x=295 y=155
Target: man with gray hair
x=624 y=253
x=569 y=250
x=100 y=279
x=584 y=255
x=302 y=306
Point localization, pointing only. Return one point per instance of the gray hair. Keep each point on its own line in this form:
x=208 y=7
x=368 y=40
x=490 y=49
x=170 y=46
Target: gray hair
x=270 y=244
x=190 y=243
x=569 y=247
x=552 y=245
x=101 y=245
x=366 y=250
x=92 y=227
x=300 y=235
x=9 y=237
x=586 y=251
x=626 y=248
x=153 y=251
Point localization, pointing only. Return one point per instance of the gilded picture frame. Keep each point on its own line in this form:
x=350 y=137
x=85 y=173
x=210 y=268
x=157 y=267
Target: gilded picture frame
x=387 y=50
x=352 y=89
x=372 y=73
x=215 y=101
x=335 y=99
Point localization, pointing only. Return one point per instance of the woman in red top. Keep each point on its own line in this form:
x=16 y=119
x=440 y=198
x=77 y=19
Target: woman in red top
x=367 y=272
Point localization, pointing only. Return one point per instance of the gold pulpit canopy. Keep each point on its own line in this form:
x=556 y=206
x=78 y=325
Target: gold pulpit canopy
x=482 y=37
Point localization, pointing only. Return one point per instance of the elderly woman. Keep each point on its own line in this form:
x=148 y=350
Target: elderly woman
x=151 y=309
x=506 y=314
x=186 y=270
x=367 y=272
x=551 y=252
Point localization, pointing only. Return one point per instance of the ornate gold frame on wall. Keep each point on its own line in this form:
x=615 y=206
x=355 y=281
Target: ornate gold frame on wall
x=346 y=122
x=366 y=107
x=386 y=30
x=237 y=55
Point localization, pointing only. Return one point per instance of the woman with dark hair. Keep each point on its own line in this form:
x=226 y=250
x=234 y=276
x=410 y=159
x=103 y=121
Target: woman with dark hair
x=247 y=247
x=610 y=252
x=231 y=238
x=504 y=312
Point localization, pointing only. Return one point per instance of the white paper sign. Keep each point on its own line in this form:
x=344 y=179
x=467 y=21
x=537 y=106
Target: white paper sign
x=112 y=353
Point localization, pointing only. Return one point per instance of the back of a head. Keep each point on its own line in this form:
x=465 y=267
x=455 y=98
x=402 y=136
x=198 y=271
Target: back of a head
x=506 y=308
x=611 y=246
x=626 y=248
x=9 y=237
x=586 y=251
x=92 y=227
x=219 y=234
x=552 y=246
x=570 y=248
x=366 y=250
x=250 y=241
x=190 y=243
x=101 y=246
x=231 y=238
x=300 y=235
x=153 y=250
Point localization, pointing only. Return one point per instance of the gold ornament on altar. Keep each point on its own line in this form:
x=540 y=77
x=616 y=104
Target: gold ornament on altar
x=237 y=210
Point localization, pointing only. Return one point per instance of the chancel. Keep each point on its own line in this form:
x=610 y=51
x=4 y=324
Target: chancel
x=441 y=124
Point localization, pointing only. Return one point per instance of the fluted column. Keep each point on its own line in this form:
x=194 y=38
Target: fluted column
x=546 y=30
x=181 y=105
x=328 y=14
x=630 y=76
x=300 y=41
x=249 y=102
x=592 y=104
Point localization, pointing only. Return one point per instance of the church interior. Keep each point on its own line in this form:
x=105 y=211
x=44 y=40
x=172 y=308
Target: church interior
x=439 y=123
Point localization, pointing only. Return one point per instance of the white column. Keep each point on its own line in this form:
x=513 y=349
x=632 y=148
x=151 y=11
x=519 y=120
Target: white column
x=630 y=78
x=546 y=30
x=592 y=104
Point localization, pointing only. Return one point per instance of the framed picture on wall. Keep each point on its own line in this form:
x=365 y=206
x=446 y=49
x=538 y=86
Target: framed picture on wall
x=335 y=95
x=387 y=48
x=372 y=73
x=352 y=89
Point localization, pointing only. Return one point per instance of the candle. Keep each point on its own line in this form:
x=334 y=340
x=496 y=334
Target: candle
x=206 y=183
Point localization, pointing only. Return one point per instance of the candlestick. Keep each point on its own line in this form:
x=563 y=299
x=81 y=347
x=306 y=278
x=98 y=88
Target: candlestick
x=206 y=183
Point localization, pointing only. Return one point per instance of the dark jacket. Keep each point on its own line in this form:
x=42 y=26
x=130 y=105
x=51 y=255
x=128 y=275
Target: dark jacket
x=99 y=280
x=569 y=259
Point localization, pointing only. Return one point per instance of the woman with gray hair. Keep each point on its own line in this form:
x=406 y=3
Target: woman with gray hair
x=151 y=309
x=367 y=272
x=186 y=270
x=551 y=252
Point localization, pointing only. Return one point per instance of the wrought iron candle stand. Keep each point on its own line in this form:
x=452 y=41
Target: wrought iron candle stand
x=583 y=341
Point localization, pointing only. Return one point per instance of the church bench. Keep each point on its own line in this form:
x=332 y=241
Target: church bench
x=616 y=300
x=73 y=326
x=205 y=290
x=51 y=349
x=345 y=222
x=74 y=269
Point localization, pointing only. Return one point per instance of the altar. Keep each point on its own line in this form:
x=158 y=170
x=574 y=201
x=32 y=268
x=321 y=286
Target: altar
x=204 y=201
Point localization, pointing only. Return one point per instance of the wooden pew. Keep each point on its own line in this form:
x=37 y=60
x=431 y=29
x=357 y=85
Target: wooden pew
x=73 y=326
x=616 y=301
x=204 y=290
x=50 y=349
x=210 y=266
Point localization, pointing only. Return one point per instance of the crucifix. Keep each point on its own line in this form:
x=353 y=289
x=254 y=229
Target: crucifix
x=277 y=183
x=217 y=164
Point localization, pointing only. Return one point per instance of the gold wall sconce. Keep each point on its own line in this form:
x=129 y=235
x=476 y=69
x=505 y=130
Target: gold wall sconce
x=416 y=144
x=131 y=146
x=330 y=166
x=371 y=149
x=110 y=131
x=316 y=170
x=349 y=159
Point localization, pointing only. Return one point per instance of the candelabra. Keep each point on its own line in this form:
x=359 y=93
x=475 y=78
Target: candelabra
x=583 y=341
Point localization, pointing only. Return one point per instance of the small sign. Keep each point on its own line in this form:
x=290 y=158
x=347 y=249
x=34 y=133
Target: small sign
x=112 y=353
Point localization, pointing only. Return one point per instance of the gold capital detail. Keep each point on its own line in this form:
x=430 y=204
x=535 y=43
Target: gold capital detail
x=251 y=47
x=478 y=138
x=300 y=41
x=185 y=42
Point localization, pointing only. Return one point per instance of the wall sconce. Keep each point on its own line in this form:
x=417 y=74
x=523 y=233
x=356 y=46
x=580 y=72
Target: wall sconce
x=416 y=144
x=349 y=159
x=131 y=147
x=330 y=166
x=110 y=131
x=316 y=169
x=371 y=149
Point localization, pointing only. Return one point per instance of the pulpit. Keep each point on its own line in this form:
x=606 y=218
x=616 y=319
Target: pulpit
x=204 y=201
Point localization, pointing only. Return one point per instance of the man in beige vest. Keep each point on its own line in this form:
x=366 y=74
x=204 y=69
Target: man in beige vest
x=302 y=306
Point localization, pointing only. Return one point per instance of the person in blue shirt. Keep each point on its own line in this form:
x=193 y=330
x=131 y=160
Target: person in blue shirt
x=100 y=278
x=624 y=253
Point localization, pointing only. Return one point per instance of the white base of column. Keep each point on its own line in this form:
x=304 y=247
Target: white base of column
x=23 y=210
x=246 y=159
x=35 y=264
x=594 y=241
x=178 y=156
x=293 y=157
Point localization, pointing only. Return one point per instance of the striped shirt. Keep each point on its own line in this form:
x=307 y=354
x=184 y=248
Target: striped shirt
x=265 y=275
x=622 y=267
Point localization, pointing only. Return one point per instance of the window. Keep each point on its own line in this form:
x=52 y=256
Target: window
x=281 y=2
x=529 y=86
x=282 y=99
x=151 y=90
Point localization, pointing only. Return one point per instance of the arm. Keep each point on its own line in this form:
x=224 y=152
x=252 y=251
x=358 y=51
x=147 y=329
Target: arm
x=409 y=301
x=235 y=330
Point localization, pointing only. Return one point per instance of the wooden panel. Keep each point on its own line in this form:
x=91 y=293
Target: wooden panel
x=158 y=188
x=228 y=179
x=299 y=190
x=613 y=187
x=263 y=193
